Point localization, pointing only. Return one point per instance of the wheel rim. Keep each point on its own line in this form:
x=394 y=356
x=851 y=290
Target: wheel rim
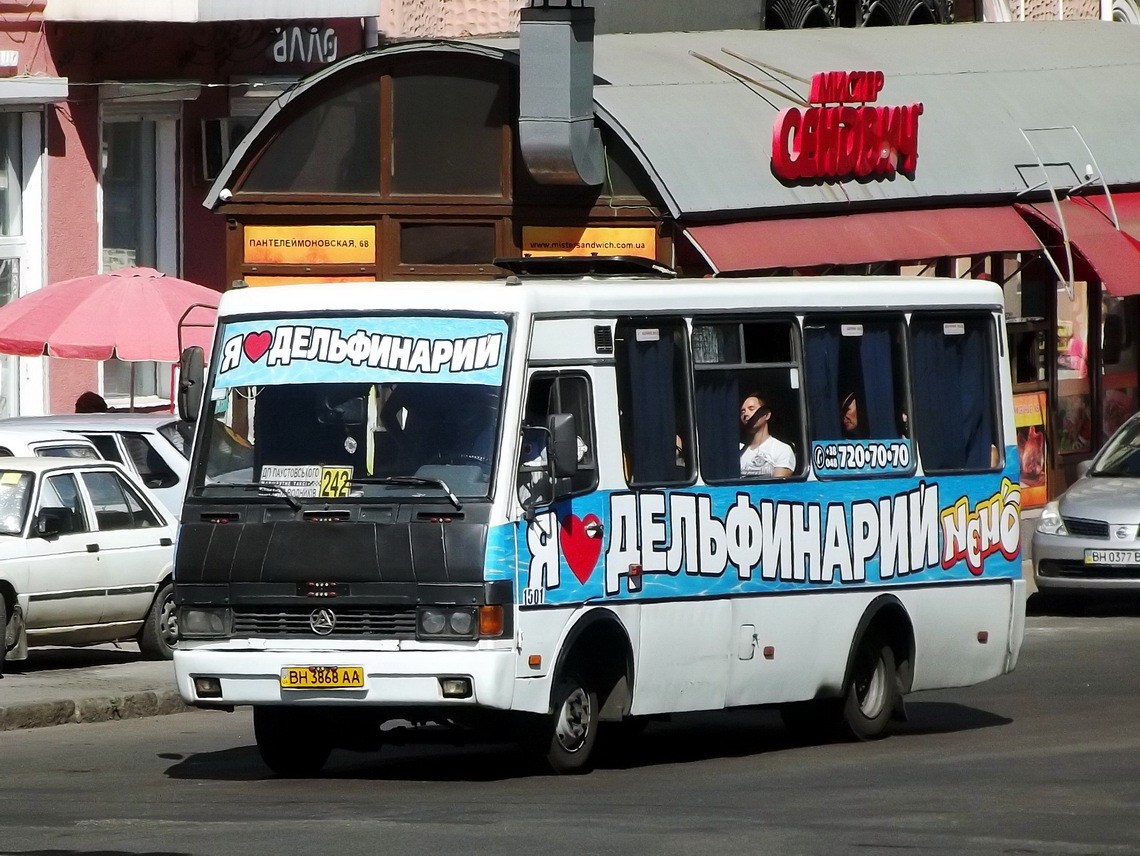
x=168 y=623
x=573 y=725
x=871 y=688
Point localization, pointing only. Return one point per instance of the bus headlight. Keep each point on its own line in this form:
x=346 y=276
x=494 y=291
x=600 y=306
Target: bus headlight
x=1050 y=522
x=447 y=622
x=204 y=622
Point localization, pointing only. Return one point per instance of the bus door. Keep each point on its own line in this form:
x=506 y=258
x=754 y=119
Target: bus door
x=562 y=532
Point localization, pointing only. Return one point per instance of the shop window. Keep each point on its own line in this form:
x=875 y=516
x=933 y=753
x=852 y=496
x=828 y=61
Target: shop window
x=652 y=367
x=11 y=208
x=150 y=380
x=9 y=291
x=447 y=243
x=856 y=379
x=129 y=191
x=1118 y=350
x=139 y=225
x=1074 y=406
x=548 y=395
x=447 y=131
x=955 y=404
x=331 y=147
x=747 y=393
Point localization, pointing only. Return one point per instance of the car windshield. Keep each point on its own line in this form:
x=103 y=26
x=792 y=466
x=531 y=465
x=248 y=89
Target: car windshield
x=1121 y=457
x=15 y=496
x=412 y=408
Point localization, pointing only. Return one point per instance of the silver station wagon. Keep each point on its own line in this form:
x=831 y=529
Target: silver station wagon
x=1087 y=539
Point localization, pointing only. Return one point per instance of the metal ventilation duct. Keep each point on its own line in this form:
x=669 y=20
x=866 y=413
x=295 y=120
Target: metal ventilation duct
x=559 y=142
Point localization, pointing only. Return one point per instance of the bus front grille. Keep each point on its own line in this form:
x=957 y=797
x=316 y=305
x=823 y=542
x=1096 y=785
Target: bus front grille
x=391 y=623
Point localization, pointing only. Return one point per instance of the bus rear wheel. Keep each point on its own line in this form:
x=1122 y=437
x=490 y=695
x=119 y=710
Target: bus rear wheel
x=872 y=689
x=566 y=738
x=292 y=742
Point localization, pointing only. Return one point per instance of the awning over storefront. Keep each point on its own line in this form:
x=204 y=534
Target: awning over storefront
x=1108 y=254
x=1127 y=209
x=861 y=238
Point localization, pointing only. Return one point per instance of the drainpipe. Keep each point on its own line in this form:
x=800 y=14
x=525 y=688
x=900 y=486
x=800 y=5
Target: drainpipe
x=559 y=142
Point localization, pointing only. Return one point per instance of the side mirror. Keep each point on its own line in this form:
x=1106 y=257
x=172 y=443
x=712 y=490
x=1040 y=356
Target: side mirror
x=52 y=522
x=564 y=444
x=191 y=377
x=1083 y=468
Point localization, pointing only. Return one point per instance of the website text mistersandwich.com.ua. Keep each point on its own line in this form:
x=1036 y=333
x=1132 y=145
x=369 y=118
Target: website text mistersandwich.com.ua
x=588 y=245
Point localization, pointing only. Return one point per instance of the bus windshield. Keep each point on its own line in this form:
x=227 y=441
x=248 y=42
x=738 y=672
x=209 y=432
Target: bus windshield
x=369 y=408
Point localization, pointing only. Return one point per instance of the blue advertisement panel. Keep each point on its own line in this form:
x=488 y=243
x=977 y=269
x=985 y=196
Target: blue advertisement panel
x=776 y=537
x=362 y=350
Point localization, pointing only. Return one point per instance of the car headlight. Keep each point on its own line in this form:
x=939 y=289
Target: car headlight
x=447 y=622
x=1050 y=522
x=203 y=622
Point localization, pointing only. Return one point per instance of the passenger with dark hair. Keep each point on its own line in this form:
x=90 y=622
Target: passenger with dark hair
x=761 y=454
x=849 y=417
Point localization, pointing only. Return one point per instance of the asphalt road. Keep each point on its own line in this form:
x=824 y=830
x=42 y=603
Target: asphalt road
x=1043 y=761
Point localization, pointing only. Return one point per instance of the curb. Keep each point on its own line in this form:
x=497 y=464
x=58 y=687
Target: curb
x=97 y=709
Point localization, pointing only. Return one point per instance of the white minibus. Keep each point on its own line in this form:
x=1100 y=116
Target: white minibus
x=540 y=508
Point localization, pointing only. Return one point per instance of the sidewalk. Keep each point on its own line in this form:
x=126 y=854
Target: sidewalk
x=55 y=686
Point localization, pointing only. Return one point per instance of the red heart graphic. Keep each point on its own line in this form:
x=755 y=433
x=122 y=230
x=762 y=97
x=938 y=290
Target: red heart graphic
x=580 y=550
x=256 y=344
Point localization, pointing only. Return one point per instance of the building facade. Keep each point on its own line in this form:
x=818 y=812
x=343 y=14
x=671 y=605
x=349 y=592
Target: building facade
x=725 y=153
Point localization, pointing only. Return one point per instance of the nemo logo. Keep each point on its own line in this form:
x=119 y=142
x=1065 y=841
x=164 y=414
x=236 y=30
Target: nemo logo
x=992 y=525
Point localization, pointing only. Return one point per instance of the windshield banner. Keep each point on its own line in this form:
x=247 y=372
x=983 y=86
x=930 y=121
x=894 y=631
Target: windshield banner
x=362 y=350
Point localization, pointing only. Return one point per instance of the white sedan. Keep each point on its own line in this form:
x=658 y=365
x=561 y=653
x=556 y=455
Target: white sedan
x=86 y=556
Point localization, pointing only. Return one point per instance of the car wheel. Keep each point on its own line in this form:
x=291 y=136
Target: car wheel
x=567 y=738
x=291 y=742
x=872 y=689
x=159 y=635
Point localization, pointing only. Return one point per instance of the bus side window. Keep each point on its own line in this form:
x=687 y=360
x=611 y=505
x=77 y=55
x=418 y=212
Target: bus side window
x=856 y=378
x=653 y=397
x=547 y=395
x=956 y=416
x=747 y=392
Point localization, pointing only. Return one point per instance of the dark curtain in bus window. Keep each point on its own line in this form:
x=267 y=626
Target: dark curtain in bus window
x=953 y=388
x=821 y=349
x=878 y=380
x=718 y=425
x=654 y=412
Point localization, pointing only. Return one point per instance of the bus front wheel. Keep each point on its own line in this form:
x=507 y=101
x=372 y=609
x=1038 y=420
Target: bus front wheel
x=567 y=737
x=291 y=741
x=872 y=690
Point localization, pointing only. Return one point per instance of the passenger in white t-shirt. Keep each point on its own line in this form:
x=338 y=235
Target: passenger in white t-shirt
x=762 y=455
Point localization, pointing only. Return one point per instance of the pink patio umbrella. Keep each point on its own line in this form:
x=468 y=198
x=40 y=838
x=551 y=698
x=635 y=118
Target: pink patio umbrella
x=133 y=314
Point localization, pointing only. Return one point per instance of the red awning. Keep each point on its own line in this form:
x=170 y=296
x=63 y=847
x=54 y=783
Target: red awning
x=849 y=239
x=1127 y=206
x=1101 y=250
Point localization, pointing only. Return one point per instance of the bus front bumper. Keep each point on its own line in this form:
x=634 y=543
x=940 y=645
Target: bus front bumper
x=425 y=678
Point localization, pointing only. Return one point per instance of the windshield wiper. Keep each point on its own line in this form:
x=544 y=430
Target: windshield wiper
x=411 y=481
x=270 y=489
